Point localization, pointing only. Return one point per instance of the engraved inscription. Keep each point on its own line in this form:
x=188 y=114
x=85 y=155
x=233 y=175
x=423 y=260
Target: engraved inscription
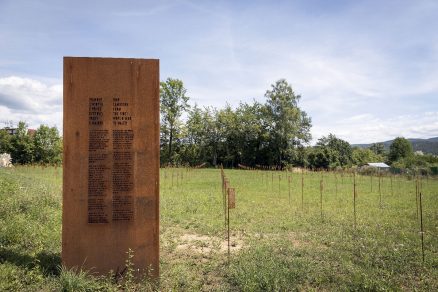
x=98 y=167
x=123 y=163
x=110 y=162
x=121 y=113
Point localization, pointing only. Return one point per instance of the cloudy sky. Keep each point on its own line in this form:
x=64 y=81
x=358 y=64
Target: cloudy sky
x=366 y=70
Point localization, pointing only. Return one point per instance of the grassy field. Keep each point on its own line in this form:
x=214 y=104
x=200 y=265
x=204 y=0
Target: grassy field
x=279 y=242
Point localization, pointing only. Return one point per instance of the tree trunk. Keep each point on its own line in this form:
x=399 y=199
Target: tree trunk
x=170 y=143
x=214 y=156
x=279 y=157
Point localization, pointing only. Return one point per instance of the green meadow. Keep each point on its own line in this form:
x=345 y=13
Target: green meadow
x=283 y=237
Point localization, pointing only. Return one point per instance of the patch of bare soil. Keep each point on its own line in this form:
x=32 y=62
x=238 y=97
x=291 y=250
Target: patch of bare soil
x=203 y=244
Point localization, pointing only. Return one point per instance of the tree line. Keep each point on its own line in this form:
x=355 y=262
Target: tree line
x=274 y=133
x=271 y=133
x=42 y=146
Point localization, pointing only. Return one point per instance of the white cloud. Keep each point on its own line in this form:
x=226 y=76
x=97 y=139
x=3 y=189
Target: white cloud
x=366 y=71
x=30 y=100
x=367 y=128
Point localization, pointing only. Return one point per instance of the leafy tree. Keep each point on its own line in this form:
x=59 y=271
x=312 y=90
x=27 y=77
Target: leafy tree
x=193 y=152
x=205 y=137
x=173 y=104
x=417 y=162
x=302 y=157
x=361 y=156
x=255 y=133
x=400 y=148
x=228 y=129
x=289 y=126
x=201 y=141
x=47 y=145
x=340 y=151
x=378 y=148
x=252 y=133
x=319 y=157
x=22 y=145
x=212 y=135
x=5 y=142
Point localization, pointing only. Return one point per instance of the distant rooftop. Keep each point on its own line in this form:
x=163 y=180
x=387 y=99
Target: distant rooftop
x=10 y=131
x=14 y=131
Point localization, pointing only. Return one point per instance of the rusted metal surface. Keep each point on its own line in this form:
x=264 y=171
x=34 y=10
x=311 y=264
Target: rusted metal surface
x=111 y=164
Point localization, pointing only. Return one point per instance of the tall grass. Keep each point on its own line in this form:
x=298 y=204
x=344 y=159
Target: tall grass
x=279 y=241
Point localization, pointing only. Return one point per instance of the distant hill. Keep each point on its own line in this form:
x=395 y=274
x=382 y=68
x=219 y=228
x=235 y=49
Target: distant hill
x=426 y=145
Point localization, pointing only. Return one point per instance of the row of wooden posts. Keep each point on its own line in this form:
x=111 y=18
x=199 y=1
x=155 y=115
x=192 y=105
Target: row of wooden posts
x=176 y=176
x=229 y=202
x=229 y=195
x=418 y=196
x=352 y=175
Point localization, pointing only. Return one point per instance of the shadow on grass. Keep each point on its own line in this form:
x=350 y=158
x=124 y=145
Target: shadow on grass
x=47 y=263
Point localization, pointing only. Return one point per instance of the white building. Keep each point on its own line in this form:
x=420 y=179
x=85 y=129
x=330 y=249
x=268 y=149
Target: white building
x=379 y=165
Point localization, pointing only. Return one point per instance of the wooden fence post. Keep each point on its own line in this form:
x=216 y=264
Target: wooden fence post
x=421 y=228
x=354 y=199
x=302 y=189
x=321 y=189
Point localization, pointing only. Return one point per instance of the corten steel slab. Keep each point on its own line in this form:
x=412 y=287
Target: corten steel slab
x=111 y=164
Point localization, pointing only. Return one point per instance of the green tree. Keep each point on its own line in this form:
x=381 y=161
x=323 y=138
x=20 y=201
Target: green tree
x=319 y=157
x=378 y=148
x=22 y=145
x=340 y=150
x=173 y=104
x=212 y=134
x=361 y=156
x=289 y=126
x=202 y=136
x=252 y=133
x=193 y=152
x=5 y=142
x=47 y=145
x=229 y=133
x=400 y=148
x=228 y=136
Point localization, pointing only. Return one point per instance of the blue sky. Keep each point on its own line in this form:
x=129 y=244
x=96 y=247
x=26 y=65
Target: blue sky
x=366 y=70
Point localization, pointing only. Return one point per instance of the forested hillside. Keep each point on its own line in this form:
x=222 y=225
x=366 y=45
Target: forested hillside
x=429 y=146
